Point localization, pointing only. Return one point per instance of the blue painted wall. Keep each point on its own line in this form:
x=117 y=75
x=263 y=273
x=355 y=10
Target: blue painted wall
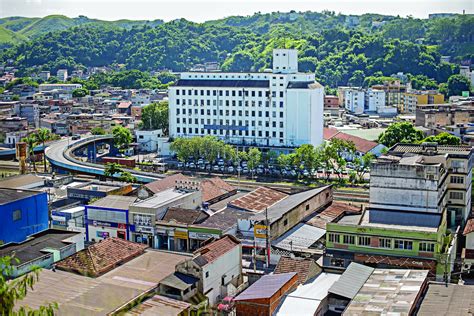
x=34 y=218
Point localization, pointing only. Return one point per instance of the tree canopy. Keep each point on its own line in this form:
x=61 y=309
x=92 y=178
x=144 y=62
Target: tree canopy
x=122 y=136
x=155 y=116
x=400 y=132
x=338 y=53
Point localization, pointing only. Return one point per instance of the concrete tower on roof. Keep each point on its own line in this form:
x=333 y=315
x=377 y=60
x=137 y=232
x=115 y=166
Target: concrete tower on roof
x=285 y=61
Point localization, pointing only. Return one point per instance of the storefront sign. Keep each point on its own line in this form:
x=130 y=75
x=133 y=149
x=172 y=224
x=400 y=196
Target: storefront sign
x=101 y=234
x=142 y=220
x=202 y=236
x=102 y=224
x=181 y=234
x=260 y=231
x=144 y=229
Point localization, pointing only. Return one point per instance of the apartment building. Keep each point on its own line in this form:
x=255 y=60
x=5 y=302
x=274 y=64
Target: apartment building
x=413 y=98
x=393 y=92
x=282 y=108
x=442 y=115
x=418 y=194
x=61 y=74
x=359 y=100
x=457 y=162
x=69 y=87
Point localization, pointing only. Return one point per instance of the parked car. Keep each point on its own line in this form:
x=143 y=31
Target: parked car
x=180 y=165
x=215 y=168
x=230 y=169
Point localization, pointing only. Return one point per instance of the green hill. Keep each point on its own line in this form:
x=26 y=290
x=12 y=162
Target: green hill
x=35 y=27
x=8 y=37
x=16 y=23
x=48 y=24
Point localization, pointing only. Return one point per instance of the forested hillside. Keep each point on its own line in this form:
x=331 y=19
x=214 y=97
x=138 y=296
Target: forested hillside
x=339 y=49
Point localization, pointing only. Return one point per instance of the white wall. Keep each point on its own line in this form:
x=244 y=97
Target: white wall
x=229 y=264
x=354 y=100
x=470 y=241
x=285 y=61
x=149 y=140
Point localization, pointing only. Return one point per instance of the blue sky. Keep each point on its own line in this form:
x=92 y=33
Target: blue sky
x=199 y=11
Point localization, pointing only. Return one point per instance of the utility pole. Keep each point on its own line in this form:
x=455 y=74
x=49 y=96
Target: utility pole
x=254 y=253
x=267 y=224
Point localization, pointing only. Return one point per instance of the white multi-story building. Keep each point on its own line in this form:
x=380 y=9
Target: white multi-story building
x=374 y=100
x=354 y=100
x=62 y=74
x=282 y=108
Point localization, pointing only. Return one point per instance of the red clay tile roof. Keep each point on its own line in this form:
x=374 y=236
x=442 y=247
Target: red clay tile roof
x=211 y=188
x=124 y=105
x=362 y=145
x=306 y=268
x=258 y=199
x=215 y=249
x=332 y=213
x=166 y=183
x=214 y=188
x=469 y=228
x=329 y=133
x=101 y=257
x=184 y=216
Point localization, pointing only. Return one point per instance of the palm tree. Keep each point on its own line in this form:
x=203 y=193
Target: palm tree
x=42 y=136
x=31 y=142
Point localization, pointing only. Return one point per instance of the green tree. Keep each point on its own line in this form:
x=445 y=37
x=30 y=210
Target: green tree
x=122 y=137
x=126 y=176
x=362 y=166
x=79 y=93
x=400 y=132
x=31 y=143
x=442 y=139
x=11 y=292
x=306 y=157
x=457 y=84
x=98 y=131
x=254 y=158
x=112 y=169
x=155 y=116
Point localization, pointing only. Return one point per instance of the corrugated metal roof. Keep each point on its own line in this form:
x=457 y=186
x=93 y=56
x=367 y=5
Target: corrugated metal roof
x=448 y=299
x=277 y=210
x=404 y=218
x=305 y=300
x=299 y=238
x=266 y=286
x=179 y=281
x=351 y=280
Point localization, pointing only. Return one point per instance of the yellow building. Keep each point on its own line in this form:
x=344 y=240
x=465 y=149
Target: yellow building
x=411 y=99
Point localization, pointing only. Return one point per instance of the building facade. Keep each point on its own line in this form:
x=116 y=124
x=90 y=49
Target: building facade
x=282 y=108
x=22 y=213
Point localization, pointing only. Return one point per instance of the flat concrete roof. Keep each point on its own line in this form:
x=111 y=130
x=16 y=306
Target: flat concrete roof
x=8 y=195
x=33 y=248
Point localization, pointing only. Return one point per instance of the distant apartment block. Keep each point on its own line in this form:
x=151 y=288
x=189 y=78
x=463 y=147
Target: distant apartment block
x=281 y=108
x=61 y=74
x=359 y=101
x=69 y=87
x=413 y=98
x=449 y=116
